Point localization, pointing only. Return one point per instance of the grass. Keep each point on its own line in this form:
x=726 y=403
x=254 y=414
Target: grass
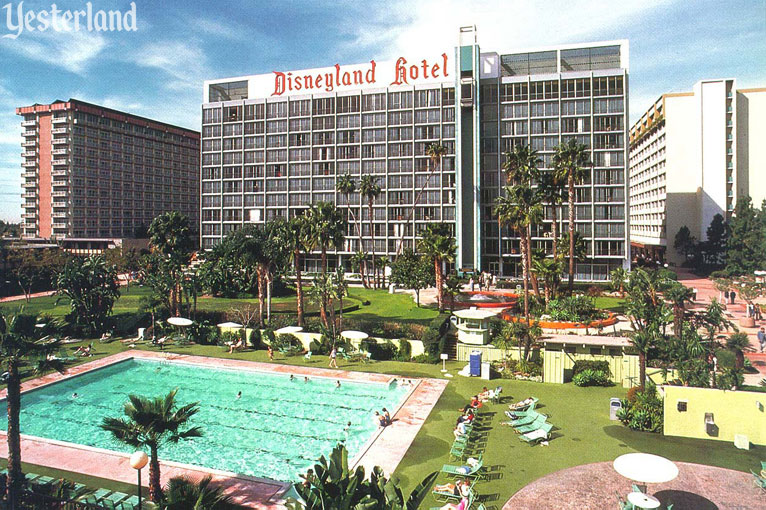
x=383 y=306
x=612 y=304
x=583 y=432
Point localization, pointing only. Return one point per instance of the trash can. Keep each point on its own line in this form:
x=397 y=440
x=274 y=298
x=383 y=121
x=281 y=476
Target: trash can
x=614 y=406
x=485 y=370
x=474 y=364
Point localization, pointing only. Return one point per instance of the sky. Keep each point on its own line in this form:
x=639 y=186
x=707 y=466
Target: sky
x=158 y=70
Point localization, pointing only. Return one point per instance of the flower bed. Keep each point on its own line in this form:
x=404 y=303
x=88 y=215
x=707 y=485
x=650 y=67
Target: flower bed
x=610 y=320
x=502 y=299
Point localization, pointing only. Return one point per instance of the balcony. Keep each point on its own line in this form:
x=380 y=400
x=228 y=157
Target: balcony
x=59 y=131
x=28 y=185
x=30 y=143
x=59 y=141
x=57 y=152
x=60 y=183
x=29 y=194
x=29 y=175
x=60 y=204
x=29 y=164
x=59 y=225
x=59 y=120
x=57 y=214
x=29 y=132
x=60 y=172
x=29 y=216
x=28 y=154
x=60 y=161
x=59 y=193
x=28 y=123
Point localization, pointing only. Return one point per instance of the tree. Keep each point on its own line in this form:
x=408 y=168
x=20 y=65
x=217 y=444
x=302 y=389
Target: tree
x=150 y=423
x=346 y=185
x=747 y=242
x=299 y=240
x=549 y=271
x=358 y=263
x=34 y=268
x=717 y=238
x=438 y=243
x=183 y=493
x=369 y=189
x=572 y=163
x=518 y=334
x=435 y=151
x=412 y=271
x=452 y=287
x=92 y=289
x=738 y=343
x=383 y=261
x=18 y=348
x=678 y=295
x=553 y=192
x=618 y=277
x=171 y=238
x=328 y=229
x=685 y=242
x=332 y=485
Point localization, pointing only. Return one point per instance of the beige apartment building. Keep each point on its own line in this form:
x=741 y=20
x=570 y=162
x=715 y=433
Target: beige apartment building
x=692 y=155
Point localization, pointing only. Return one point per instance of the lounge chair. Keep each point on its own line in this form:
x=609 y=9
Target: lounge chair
x=307 y=356
x=758 y=480
x=471 y=472
x=525 y=420
x=495 y=398
x=538 y=435
x=515 y=415
x=520 y=406
x=539 y=421
x=451 y=495
x=471 y=497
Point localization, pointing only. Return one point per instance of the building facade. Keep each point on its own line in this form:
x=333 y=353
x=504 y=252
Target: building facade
x=692 y=156
x=273 y=144
x=92 y=172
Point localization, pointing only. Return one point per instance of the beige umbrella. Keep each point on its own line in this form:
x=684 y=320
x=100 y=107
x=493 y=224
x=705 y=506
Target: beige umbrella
x=645 y=468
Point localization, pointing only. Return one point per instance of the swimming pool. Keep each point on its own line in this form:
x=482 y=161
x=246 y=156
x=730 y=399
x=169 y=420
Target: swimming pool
x=277 y=429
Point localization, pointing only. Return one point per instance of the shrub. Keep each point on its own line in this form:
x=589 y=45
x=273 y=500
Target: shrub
x=426 y=358
x=574 y=309
x=323 y=346
x=632 y=394
x=378 y=351
x=645 y=413
x=595 y=365
x=590 y=377
x=594 y=291
x=405 y=350
x=531 y=367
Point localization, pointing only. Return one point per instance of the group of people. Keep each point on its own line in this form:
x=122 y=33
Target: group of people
x=485 y=280
x=461 y=488
x=754 y=311
x=383 y=418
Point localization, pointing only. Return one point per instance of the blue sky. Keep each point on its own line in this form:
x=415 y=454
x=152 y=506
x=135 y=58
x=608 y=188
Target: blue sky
x=158 y=70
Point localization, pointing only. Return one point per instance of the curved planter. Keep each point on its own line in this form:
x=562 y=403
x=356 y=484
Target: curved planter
x=600 y=323
x=510 y=301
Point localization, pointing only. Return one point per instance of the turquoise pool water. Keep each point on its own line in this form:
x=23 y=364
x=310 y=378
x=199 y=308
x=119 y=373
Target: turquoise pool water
x=277 y=429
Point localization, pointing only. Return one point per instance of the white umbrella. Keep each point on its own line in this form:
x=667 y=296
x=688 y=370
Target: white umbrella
x=645 y=468
x=289 y=330
x=229 y=325
x=354 y=335
x=180 y=321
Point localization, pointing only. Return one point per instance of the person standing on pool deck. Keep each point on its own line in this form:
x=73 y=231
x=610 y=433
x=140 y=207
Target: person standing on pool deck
x=333 y=355
x=387 y=416
x=271 y=354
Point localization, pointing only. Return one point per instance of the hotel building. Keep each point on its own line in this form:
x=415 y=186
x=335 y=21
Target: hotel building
x=95 y=174
x=692 y=155
x=273 y=144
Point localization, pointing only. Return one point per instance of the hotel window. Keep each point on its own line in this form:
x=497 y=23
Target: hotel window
x=348 y=104
x=373 y=102
x=276 y=110
x=303 y=124
x=300 y=108
x=299 y=139
x=272 y=126
x=373 y=119
x=211 y=115
x=323 y=153
x=400 y=118
x=448 y=96
x=374 y=135
x=232 y=113
x=400 y=100
x=297 y=169
x=536 y=90
x=227 y=91
x=324 y=138
x=426 y=98
x=348 y=152
x=347 y=137
x=324 y=106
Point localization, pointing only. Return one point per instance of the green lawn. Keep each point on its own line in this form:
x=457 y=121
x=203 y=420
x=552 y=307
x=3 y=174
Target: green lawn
x=398 y=307
x=613 y=304
x=583 y=432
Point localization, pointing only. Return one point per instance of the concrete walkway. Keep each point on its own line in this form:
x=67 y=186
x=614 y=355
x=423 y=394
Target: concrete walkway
x=597 y=486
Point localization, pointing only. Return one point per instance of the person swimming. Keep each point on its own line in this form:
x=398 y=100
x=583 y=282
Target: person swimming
x=239 y=395
x=75 y=395
x=292 y=377
x=305 y=379
x=337 y=384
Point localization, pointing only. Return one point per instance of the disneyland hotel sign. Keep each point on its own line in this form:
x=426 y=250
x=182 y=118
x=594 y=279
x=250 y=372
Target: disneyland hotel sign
x=400 y=72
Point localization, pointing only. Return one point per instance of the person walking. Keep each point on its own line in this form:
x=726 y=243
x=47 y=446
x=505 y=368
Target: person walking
x=762 y=339
x=333 y=356
x=471 y=283
x=732 y=295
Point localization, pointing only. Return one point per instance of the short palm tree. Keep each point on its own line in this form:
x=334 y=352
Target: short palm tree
x=618 y=277
x=150 y=423
x=18 y=348
x=738 y=343
x=370 y=190
x=549 y=271
x=678 y=295
x=358 y=262
x=183 y=493
x=438 y=242
x=571 y=162
x=328 y=228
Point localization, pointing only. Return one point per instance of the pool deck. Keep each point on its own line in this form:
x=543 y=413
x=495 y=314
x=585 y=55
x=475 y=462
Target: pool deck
x=386 y=449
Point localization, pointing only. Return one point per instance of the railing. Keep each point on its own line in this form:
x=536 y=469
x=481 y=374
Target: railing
x=33 y=501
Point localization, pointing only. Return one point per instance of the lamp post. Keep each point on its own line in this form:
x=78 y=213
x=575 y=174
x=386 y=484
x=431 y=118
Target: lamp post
x=137 y=461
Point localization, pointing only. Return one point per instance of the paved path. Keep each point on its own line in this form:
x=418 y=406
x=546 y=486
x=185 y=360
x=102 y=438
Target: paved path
x=706 y=292
x=9 y=299
x=596 y=486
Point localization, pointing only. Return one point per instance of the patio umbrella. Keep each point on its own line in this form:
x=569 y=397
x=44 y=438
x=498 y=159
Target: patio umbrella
x=230 y=325
x=288 y=330
x=645 y=468
x=354 y=335
x=180 y=321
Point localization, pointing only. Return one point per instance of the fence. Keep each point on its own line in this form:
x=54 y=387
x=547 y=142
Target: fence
x=34 y=501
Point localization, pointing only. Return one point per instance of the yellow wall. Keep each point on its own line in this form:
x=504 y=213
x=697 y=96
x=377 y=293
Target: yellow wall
x=306 y=339
x=734 y=412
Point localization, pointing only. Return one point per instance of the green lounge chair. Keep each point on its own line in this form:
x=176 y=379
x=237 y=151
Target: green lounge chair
x=495 y=398
x=515 y=415
x=758 y=480
x=447 y=496
x=518 y=406
x=538 y=435
x=524 y=429
x=526 y=420
x=471 y=497
x=472 y=472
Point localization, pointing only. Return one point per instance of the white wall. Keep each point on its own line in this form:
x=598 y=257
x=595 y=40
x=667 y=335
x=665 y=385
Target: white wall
x=711 y=102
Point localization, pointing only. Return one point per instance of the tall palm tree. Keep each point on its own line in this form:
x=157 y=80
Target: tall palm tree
x=517 y=208
x=170 y=235
x=553 y=193
x=435 y=151
x=678 y=295
x=152 y=422
x=438 y=242
x=18 y=349
x=521 y=169
x=298 y=240
x=346 y=185
x=572 y=163
x=186 y=494
x=328 y=227
x=370 y=190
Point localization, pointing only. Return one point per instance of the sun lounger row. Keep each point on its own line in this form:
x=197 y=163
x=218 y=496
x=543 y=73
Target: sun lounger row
x=532 y=426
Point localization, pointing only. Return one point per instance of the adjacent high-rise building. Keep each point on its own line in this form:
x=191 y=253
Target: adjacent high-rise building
x=273 y=144
x=692 y=155
x=91 y=172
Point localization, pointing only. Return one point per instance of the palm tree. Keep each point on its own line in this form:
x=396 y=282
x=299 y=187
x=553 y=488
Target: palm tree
x=517 y=208
x=358 y=262
x=435 y=151
x=553 y=193
x=618 y=277
x=298 y=240
x=738 y=343
x=328 y=228
x=346 y=185
x=678 y=295
x=571 y=162
x=438 y=243
x=382 y=263
x=19 y=349
x=549 y=270
x=370 y=190
x=184 y=493
x=151 y=423
x=171 y=237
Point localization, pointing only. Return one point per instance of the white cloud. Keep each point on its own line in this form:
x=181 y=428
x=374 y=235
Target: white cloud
x=183 y=61
x=72 y=51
